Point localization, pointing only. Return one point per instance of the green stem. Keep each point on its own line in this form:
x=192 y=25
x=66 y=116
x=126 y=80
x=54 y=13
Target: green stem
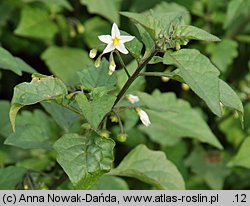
x=132 y=78
x=119 y=120
x=122 y=63
x=156 y=74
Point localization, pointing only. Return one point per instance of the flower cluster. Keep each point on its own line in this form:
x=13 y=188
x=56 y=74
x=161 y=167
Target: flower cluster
x=115 y=41
x=169 y=39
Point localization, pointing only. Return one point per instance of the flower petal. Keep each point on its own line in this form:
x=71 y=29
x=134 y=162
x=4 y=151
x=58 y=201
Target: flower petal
x=132 y=98
x=124 y=39
x=105 y=38
x=110 y=47
x=143 y=117
x=120 y=47
x=115 y=31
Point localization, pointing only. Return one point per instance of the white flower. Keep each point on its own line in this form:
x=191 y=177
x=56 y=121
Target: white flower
x=115 y=41
x=132 y=98
x=143 y=117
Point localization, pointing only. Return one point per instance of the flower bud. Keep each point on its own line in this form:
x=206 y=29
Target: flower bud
x=185 y=42
x=80 y=28
x=236 y=115
x=177 y=46
x=143 y=116
x=165 y=79
x=114 y=118
x=93 y=53
x=104 y=133
x=111 y=68
x=185 y=87
x=86 y=126
x=72 y=33
x=132 y=98
x=98 y=62
x=160 y=36
x=112 y=65
x=122 y=137
x=222 y=108
x=69 y=96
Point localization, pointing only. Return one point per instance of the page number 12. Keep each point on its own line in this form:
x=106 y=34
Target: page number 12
x=240 y=197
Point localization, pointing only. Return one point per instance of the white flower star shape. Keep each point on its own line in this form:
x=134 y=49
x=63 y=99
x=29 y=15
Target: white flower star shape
x=115 y=41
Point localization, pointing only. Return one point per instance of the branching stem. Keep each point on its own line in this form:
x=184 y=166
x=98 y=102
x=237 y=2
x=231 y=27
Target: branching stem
x=132 y=78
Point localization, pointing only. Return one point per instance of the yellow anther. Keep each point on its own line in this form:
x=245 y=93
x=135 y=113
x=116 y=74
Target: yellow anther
x=115 y=41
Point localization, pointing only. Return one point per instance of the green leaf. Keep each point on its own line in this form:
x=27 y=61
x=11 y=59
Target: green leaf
x=173 y=7
x=14 y=64
x=156 y=60
x=33 y=131
x=151 y=167
x=146 y=39
x=93 y=77
x=223 y=53
x=176 y=154
x=155 y=22
x=10 y=177
x=106 y=8
x=12 y=114
x=53 y=3
x=192 y=32
x=229 y=98
x=137 y=5
x=232 y=130
x=65 y=62
x=84 y=159
x=144 y=19
x=210 y=166
x=93 y=28
x=39 y=89
x=234 y=9
x=107 y=182
x=35 y=164
x=243 y=156
x=5 y=128
x=180 y=120
x=28 y=137
x=95 y=109
x=36 y=23
x=199 y=73
x=65 y=118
